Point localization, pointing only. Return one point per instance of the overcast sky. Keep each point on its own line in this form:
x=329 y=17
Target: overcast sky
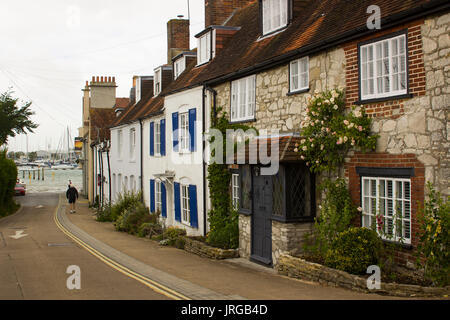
x=49 y=48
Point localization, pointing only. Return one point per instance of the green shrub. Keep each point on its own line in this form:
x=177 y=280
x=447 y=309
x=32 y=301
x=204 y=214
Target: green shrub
x=172 y=234
x=354 y=250
x=149 y=229
x=180 y=243
x=104 y=214
x=224 y=231
x=126 y=201
x=336 y=214
x=434 y=239
x=132 y=218
x=8 y=178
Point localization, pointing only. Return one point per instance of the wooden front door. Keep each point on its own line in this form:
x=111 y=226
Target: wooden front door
x=261 y=219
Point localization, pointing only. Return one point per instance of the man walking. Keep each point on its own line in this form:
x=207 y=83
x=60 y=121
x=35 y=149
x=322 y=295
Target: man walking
x=72 y=196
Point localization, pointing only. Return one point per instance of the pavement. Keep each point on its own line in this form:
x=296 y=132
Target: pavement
x=179 y=274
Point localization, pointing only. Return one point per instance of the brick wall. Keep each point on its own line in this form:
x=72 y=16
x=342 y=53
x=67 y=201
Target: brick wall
x=178 y=38
x=387 y=160
x=392 y=108
x=218 y=11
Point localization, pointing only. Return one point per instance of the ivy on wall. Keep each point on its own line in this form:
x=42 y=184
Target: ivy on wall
x=223 y=219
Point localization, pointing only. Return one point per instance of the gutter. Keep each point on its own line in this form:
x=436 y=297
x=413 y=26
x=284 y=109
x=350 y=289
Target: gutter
x=142 y=160
x=387 y=22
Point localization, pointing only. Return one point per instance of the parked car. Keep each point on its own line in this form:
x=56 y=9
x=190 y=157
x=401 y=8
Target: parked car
x=20 y=189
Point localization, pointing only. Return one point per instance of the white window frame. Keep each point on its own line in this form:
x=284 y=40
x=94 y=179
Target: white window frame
x=385 y=83
x=185 y=205
x=119 y=184
x=243 y=99
x=120 y=143
x=132 y=144
x=272 y=10
x=184 y=132
x=179 y=66
x=204 y=48
x=299 y=73
x=158 y=196
x=157 y=140
x=386 y=204
x=157 y=82
x=235 y=190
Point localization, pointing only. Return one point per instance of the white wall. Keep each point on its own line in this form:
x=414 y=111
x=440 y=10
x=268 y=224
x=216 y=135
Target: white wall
x=125 y=165
x=188 y=167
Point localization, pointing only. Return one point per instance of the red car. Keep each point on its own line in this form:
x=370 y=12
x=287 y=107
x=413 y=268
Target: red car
x=20 y=189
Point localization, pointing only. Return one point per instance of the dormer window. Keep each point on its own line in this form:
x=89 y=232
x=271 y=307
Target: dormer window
x=274 y=15
x=157 y=82
x=205 y=49
x=179 y=66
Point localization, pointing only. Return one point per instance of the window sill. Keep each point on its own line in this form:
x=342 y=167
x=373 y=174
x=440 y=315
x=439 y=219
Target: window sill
x=242 y=121
x=300 y=91
x=245 y=212
x=272 y=33
x=202 y=64
x=398 y=244
x=375 y=100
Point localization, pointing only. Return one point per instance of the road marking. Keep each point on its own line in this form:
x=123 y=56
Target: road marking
x=19 y=234
x=155 y=286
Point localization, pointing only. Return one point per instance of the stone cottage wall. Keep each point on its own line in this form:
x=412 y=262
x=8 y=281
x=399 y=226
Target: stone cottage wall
x=277 y=109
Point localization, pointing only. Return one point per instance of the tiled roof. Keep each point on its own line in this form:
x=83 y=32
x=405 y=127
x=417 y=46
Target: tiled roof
x=122 y=103
x=319 y=24
x=101 y=119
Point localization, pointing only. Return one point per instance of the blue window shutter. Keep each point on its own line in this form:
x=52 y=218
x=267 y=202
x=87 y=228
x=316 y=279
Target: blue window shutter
x=152 y=138
x=177 y=203
x=192 y=127
x=193 y=206
x=152 y=195
x=175 y=131
x=163 y=137
x=164 y=200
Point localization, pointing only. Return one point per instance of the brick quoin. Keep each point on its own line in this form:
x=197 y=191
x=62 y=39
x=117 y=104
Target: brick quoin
x=386 y=160
x=417 y=80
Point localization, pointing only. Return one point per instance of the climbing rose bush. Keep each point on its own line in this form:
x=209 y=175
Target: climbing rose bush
x=330 y=132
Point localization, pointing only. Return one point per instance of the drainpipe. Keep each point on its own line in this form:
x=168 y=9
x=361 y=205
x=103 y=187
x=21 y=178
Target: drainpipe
x=142 y=159
x=109 y=171
x=214 y=92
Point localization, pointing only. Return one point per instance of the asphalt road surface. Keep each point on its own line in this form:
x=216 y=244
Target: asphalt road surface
x=35 y=256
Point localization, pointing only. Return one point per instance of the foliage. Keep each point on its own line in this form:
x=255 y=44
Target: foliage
x=149 y=229
x=132 y=218
x=224 y=232
x=329 y=132
x=434 y=240
x=354 y=250
x=14 y=120
x=336 y=214
x=32 y=156
x=172 y=235
x=8 y=179
x=104 y=214
x=125 y=201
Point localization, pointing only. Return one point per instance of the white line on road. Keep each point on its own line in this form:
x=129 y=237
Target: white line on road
x=19 y=234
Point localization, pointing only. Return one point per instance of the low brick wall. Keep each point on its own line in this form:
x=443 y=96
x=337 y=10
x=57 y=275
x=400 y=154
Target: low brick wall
x=203 y=250
x=302 y=269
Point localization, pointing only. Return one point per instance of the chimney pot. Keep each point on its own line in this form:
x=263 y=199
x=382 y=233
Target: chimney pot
x=93 y=79
x=101 y=79
x=114 y=79
x=98 y=79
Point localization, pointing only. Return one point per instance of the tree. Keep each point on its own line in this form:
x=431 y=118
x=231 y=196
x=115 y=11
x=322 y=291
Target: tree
x=32 y=156
x=14 y=120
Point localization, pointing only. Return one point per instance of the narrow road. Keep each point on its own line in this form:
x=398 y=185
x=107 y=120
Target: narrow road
x=34 y=262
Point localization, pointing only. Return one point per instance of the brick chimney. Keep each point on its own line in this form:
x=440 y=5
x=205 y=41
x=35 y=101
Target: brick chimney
x=103 y=92
x=218 y=11
x=178 y=38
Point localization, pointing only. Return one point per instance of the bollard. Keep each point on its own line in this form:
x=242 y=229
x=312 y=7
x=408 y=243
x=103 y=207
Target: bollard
x=43 y=175
x=39 y=174
x=34 y=175
x=23 y=172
